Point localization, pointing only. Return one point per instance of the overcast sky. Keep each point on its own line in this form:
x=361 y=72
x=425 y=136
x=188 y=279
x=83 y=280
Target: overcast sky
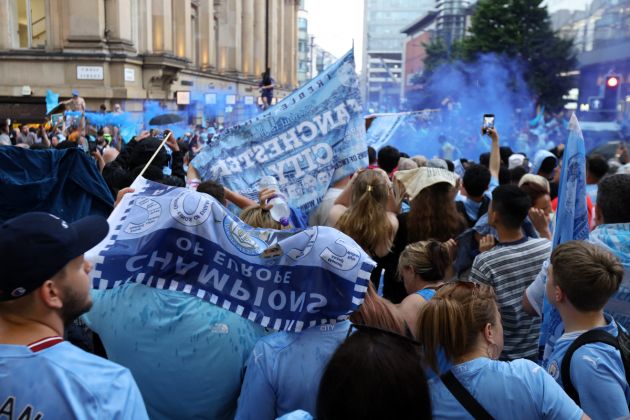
x=335 y=23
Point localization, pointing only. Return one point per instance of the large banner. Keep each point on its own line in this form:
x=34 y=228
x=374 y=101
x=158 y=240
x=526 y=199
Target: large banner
x=315 y=136
x=178 y=239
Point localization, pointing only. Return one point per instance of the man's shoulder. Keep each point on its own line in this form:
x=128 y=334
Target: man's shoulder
x=525 y=248
x=73 y=359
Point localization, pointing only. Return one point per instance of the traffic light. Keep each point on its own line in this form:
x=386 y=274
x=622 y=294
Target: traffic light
x=611 y=93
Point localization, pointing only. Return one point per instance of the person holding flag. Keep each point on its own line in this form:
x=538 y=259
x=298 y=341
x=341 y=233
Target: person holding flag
x=612 y=233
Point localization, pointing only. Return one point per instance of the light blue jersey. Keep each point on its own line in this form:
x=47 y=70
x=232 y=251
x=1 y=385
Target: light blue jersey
x=472 y=207
x=597 y=373
x=65 y=382
x=187 y=355
x=507 y=390
x=284 y=371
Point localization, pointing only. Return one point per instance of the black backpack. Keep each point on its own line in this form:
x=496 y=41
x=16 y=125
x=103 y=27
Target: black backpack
x=483 y=209
x=621 y=343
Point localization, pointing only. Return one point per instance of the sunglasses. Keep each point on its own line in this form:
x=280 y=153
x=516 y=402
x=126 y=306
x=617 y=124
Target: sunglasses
x=407 y=338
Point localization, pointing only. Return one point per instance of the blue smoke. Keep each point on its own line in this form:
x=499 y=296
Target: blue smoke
x=463 y=92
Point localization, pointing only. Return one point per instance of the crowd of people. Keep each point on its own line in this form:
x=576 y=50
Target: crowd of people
x=450 y=326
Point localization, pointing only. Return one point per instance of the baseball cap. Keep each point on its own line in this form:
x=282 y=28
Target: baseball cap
x=35 y=246
x=75 y=92
x=516 y=160
x=437 y=163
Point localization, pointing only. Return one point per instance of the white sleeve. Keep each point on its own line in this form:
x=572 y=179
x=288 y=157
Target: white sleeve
x=536 y=291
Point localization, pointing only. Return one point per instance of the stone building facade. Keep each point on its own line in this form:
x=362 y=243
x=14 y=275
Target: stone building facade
x=128 y=51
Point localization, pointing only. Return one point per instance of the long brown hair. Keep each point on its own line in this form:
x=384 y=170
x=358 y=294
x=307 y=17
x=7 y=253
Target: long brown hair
x=366 y=219
x=378 y=312
x=453 y=319
x=433 y=215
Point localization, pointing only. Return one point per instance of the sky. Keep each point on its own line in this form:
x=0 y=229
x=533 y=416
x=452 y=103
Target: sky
x=335 y=23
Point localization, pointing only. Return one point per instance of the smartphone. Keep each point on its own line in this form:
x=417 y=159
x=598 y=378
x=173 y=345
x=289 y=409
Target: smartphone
x=488 y=122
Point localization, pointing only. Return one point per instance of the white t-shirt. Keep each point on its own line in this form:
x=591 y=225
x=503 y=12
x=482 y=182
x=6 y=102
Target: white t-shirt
x=320 y=216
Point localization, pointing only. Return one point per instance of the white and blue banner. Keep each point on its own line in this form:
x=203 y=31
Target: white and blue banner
x=571 y=223
x=179 y=239
x=312 y=138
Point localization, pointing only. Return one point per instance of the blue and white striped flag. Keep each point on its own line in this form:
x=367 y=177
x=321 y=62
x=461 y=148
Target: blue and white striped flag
x=308 y=141
x=571 y=222
x=179 y=239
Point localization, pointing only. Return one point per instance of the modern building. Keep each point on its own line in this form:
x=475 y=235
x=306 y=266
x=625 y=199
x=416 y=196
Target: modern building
x=452 y=20
x=448 y=23
x=321 y=59
x=305 y=40
x=383 y=49
x=129 y=51
x=418 y=34
x=601 y=35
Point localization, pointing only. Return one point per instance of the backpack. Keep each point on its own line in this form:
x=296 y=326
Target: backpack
x=621 y=343
x=483 y=209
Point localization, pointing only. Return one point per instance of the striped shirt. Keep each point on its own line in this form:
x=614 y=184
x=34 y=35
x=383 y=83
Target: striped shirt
x=509 y=268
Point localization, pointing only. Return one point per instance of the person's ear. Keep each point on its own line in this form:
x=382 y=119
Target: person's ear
x=489 y=334
x=599 y=218
x=557 y=294
x=50 y=294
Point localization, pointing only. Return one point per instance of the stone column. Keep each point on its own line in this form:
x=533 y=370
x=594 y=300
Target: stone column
x=281 y=52
x=290 y=43
x=230 y=36
x=162 y=26
x=260 y=13
x=247 y=38
x=118 y=24
x=7 y=22
x=145 y=27
x=273 y=38
x=181 y=29
x=84 y=24
x=54 y=22
x=207 y=52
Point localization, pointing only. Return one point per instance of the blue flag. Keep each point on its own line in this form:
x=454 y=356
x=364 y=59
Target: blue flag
x=315 y=136
x=179 y=239
x=65 y=183
x=52 y=100
x=571 y=222
x=571 y=214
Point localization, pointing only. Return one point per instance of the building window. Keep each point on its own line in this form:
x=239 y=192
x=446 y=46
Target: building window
x=31 y=23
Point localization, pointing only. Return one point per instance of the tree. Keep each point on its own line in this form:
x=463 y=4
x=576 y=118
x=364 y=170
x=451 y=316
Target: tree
x=520 y=29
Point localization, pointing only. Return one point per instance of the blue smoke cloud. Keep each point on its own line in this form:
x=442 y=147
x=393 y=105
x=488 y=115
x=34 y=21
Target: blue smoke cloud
x=217 y=107
x=463 y=92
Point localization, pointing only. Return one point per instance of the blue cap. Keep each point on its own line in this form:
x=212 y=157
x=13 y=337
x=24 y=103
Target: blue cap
x=75 y=92
x=36 y=246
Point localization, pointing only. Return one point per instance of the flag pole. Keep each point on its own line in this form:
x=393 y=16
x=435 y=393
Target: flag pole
x=155 y=154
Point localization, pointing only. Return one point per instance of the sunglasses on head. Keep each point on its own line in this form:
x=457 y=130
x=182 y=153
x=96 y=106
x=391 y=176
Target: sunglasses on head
x=408 y=337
